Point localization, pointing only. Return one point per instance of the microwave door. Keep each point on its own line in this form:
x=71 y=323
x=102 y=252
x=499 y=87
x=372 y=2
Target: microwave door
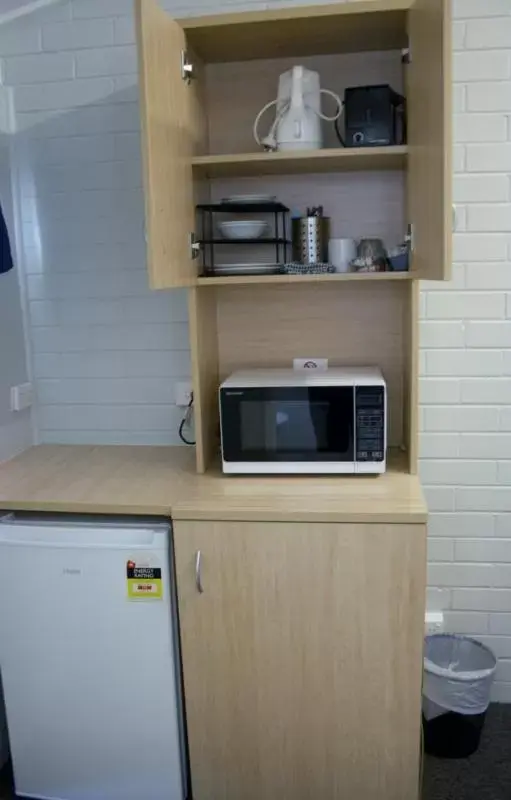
x=288 y=424
x=294 y=426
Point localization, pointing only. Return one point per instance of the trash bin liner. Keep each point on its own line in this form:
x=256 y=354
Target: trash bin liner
x=458 y=675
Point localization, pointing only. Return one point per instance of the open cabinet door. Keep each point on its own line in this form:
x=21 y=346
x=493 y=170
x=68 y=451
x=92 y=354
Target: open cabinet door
x=167 y=143
x=430 y=138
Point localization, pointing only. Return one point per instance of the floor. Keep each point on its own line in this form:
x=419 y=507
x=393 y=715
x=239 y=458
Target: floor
x=484 y=776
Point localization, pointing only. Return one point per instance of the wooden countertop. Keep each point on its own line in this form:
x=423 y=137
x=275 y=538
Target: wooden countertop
x=393 y=497
x=95 y=480
x=162 y=481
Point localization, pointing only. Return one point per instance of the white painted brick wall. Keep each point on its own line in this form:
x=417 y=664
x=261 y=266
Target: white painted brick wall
x=465 y=384
x=107 y=351
x=77 y=35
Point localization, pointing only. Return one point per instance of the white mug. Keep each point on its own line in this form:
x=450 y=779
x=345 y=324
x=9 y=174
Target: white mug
x=341 y=253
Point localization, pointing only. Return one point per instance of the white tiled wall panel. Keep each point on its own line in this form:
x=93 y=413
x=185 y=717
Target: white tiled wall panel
x=78 y=35
x=107 y=351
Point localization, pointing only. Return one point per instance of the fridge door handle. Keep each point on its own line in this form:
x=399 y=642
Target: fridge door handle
x=198 y=572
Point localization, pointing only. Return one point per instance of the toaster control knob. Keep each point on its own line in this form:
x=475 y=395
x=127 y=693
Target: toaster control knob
x=358 y=137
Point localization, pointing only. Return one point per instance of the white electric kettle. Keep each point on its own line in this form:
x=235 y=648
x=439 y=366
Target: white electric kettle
x=297 y=124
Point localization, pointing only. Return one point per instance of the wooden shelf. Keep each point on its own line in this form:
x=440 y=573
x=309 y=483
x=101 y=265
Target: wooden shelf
x=221 y=242
x=301 y=31
x=370 y=277
x=338 y=159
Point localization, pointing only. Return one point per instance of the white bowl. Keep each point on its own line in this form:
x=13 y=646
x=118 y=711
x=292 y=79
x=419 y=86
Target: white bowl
x=243 y=229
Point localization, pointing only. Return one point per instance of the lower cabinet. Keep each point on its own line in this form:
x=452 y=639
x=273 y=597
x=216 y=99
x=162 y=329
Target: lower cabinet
x=302 y=658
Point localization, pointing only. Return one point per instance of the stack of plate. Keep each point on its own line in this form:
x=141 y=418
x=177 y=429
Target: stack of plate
x=250 y=268
x=247 y=269
x=250 y=199
x=243 y=229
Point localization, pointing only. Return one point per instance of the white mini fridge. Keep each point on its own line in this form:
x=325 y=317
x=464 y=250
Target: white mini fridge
x=89 y=660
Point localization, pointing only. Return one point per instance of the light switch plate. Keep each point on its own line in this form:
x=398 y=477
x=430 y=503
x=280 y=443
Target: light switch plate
x=310 y=363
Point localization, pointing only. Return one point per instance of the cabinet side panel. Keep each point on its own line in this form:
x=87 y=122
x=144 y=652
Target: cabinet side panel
x=430 y=137
x=411 y=376
x=167 y=143
x=204 y=355
x=302 y=659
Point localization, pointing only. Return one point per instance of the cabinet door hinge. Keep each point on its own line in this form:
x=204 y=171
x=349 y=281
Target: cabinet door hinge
x=195 y=246
x=410 y=237
x=186 y=67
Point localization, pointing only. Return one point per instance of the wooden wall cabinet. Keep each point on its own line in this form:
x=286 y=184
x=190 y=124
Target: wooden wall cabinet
x=202 y=81
x=188 y=118
x=302 y=658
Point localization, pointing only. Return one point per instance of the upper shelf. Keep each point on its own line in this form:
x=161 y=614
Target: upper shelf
x=329 y=277
x=337 y=159
x=299 y=31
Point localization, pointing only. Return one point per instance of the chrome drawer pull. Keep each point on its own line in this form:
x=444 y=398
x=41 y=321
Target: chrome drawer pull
x=198 y=576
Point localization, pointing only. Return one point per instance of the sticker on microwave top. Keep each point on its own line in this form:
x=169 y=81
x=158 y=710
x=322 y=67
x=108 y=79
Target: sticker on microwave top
x=143 y=580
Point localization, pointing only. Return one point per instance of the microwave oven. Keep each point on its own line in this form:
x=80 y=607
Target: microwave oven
x=311 y=421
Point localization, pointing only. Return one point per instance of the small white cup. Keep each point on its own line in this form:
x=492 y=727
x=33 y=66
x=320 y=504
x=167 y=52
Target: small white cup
x=341 y=253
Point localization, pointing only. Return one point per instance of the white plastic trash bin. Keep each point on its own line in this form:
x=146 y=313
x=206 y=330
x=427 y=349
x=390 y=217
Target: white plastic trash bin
x=458 y=675
x=4 y=742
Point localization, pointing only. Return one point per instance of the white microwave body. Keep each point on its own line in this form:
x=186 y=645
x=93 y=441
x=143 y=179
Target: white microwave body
x=304 y=422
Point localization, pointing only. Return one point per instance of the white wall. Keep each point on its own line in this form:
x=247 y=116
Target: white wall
x=15 y=428
x=466 y=355
x=107 y=351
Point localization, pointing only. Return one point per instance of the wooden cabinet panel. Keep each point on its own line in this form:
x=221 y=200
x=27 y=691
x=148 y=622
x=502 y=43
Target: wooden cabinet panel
x=169 y=130
x=302 y=659
x=430 y=138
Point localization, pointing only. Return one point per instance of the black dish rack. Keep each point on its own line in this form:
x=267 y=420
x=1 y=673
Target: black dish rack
x=208 y=240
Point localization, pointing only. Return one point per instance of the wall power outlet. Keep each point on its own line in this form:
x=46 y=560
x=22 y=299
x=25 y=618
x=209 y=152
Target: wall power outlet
x=183 y=393
x=434 y=622
x=21 y=397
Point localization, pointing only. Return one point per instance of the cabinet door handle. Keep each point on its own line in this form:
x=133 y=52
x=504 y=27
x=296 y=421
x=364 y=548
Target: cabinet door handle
x=198 y=576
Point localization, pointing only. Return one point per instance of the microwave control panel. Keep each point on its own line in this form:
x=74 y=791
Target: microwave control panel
x=370 y=423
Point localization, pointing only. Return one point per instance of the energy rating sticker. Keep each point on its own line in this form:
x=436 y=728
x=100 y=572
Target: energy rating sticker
x=143 y=582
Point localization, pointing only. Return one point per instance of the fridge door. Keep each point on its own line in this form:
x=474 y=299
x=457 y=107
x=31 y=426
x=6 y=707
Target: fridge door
x=89 y=675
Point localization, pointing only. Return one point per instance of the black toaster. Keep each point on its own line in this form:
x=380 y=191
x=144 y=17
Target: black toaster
x=375 y=116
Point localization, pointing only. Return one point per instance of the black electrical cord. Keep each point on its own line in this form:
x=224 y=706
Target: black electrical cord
x=338 y=132
x=183 y=423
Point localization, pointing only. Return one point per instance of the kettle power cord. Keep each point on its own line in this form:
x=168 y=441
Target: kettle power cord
x=270 y=142
x=337 y=128
x=186 y=421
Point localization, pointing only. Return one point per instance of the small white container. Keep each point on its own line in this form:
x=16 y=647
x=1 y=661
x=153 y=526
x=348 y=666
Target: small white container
x=243 y=229
x=341 y=253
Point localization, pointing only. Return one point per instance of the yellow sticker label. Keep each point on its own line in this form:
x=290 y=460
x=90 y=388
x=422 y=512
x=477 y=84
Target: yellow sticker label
x=137 y=589
x=143 y=582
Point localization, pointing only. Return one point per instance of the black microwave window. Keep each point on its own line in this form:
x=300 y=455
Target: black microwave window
x=288 y=424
